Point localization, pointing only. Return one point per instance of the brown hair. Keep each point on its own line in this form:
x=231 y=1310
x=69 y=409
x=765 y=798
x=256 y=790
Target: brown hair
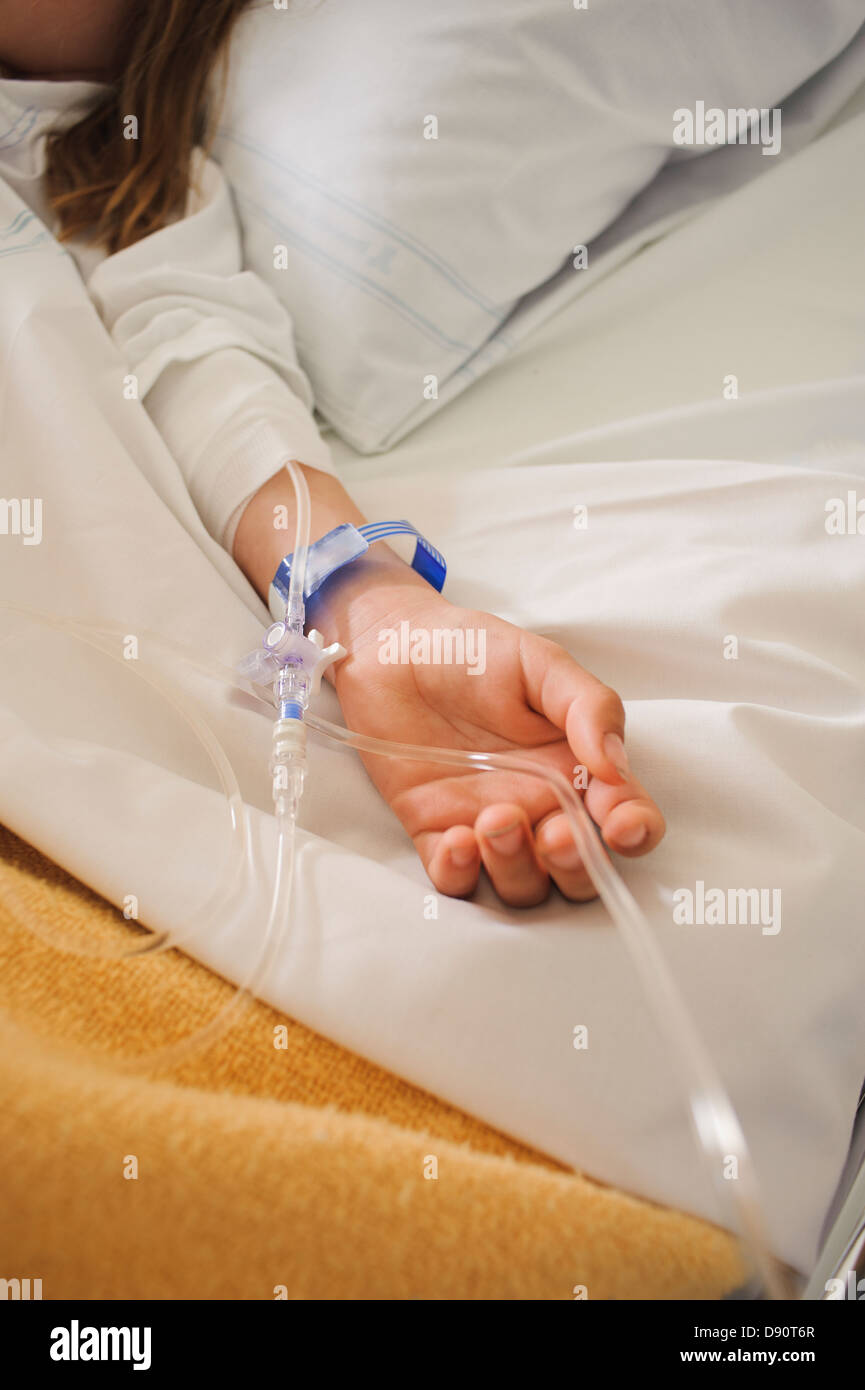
x=114 y=190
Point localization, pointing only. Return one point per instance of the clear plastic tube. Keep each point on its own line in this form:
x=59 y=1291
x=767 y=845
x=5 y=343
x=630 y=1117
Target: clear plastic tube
x=277 y=926
x=275 y=935
x=716 y=1126
x=714 y=1120
x=108 y=639
x=285 y=812
x=295 y=607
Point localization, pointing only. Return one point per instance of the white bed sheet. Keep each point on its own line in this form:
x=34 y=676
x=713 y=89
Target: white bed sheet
x=706 y=519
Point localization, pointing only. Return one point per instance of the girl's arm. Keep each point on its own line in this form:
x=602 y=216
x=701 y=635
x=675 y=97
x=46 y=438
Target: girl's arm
x=210 y=353
x=213 y=354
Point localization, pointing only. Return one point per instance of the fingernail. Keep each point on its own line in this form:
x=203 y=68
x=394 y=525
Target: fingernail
x=614 y=749
x=632 y=837
x=461 y=855
x=507 y=840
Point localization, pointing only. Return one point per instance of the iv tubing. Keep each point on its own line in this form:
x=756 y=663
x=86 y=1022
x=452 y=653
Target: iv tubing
x=716 y=1125
x=107 y=638
x=295 y=605
x=285 y=812
x=717 y=1128
x=169 y=1056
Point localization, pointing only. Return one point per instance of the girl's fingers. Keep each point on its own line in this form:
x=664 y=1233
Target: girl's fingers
x=560 y=857
x=507 y=850
x=452 y=859
x=588 y=712
x=593 y=718
x=626 y=815
x=520 y=862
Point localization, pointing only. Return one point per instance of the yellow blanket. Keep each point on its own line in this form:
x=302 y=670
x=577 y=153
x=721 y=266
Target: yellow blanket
x=257 y=1171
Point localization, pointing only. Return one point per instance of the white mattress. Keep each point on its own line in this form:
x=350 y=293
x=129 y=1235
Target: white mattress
x=706 y=519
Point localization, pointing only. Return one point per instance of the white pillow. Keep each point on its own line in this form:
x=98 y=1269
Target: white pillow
x=399 y=256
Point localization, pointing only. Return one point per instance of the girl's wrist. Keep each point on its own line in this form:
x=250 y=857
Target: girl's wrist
x=378 y=589
x=265 y=532
x=375 y=591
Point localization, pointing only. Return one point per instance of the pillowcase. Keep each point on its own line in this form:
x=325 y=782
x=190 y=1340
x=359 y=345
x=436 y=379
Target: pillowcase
x=405 y=172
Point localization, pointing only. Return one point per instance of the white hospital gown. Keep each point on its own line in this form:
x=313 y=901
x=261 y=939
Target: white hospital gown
x=211 y=347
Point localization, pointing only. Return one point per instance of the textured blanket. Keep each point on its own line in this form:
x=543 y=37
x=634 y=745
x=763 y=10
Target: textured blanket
x=274 y=1164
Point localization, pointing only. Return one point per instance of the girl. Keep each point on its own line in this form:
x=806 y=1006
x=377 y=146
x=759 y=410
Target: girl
x=106 y=112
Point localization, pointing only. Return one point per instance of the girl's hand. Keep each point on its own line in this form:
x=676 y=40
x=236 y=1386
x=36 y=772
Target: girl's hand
x=531 y=695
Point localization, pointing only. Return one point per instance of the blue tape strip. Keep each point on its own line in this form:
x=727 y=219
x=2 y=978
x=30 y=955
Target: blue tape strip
x=346 y=543
x=427 y=561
